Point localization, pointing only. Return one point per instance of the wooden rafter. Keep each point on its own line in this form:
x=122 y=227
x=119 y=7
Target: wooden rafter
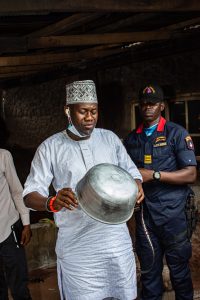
x=64 y=25
x=29 y=60
x=34 y=7
x=97 y=39
x=72 y=68
x=129 y=21
x=18 y=74
x=182 y=24
x=24 y=44
x=52 y=47
x=27 y=68
x=37 y=59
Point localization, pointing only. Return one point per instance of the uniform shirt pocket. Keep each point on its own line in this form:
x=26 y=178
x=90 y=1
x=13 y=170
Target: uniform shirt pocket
x=163 y=158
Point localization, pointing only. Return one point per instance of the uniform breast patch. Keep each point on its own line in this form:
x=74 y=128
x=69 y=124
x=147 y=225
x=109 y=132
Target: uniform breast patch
x=160 y=144
x=147 y=159
x=189 y=143
x=160 y=141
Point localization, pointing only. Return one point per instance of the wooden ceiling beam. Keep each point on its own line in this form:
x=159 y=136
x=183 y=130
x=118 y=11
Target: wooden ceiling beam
x=64 y=25
x=126 y=57
x=99 y=52
x=152 y=51
x=23 y=44
x=80 y=40
x=78 y=57
x=43 y=67
x=194 y=21
x=8 y=7
x=96 y=39
x=37 y=68
x=125 y=22
x=37 y=59
x=17 y=74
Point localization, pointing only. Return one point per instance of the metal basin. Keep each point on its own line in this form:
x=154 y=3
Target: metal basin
x=107 y=193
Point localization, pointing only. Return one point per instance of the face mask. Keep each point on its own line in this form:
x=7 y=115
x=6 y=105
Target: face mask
x=72 y=128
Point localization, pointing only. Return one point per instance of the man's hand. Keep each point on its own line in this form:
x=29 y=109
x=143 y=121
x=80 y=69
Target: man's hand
x=140 y=196
x=147 y=174
x=65 y=198
x=26 y=235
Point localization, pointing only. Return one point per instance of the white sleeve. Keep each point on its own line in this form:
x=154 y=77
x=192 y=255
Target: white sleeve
x=41 y=175
x=124 y=159
x=15 y=188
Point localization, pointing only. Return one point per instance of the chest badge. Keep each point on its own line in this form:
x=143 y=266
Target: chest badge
x=160 y=141
x=147 y=159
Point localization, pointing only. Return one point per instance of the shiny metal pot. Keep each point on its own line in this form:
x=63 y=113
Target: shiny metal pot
x=107 y=193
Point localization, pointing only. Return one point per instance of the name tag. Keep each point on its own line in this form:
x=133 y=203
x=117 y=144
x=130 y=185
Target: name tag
x=147 y=159
x=160 y=144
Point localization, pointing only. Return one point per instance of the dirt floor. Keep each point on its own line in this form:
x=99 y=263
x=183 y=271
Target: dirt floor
x=43 y=286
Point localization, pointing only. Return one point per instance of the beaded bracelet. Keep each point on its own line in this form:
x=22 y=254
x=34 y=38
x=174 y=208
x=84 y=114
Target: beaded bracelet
x=49 y=204
x=46 y=204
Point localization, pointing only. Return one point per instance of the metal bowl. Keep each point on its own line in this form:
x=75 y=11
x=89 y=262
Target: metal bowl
x=107 y=193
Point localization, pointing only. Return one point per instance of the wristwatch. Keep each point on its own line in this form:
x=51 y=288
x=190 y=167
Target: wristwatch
x=156 y=175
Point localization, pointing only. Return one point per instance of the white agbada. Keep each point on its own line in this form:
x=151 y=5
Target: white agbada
x=94 y=260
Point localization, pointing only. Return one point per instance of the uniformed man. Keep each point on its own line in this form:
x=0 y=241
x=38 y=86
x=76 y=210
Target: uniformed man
x=164 y=153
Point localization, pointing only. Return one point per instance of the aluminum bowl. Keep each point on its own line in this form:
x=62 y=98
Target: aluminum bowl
x=107 y=193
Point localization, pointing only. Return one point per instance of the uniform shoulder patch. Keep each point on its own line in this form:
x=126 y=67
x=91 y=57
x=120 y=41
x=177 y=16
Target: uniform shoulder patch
x=189 y=142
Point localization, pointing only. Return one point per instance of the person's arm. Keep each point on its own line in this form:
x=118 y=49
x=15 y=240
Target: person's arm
x=186 y=175
x=185 y=158
x=36 y=191
x=140 y=196
x=64 y=198
x=16 y=189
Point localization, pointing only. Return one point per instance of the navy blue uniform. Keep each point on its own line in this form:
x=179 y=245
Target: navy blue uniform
x=168 y=149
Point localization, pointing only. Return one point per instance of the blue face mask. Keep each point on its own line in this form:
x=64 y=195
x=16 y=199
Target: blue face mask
x=72 y=128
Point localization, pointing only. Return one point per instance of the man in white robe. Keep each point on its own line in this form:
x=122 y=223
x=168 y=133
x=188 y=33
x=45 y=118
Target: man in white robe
x=95 y=261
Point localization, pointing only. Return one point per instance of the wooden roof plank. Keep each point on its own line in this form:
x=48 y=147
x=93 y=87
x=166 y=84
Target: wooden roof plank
x=8 y=7
x=183 y=24
x=99 y=52
x=28 y=60
x=64 y=25
x=96 y=39
x=23 y=44
x=37 y=59
x=17 y=74
x=124 y=22
x=27 y=68
x=80 y=40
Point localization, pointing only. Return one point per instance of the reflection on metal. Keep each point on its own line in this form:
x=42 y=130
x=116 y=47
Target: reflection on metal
x=107 y=193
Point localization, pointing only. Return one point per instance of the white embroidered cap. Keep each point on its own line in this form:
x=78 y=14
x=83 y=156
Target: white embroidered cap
x=81 y=92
